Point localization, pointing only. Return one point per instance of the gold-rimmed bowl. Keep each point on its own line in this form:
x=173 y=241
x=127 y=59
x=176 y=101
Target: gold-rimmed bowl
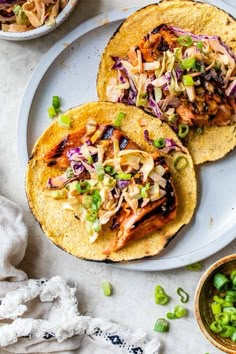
x=203 y=298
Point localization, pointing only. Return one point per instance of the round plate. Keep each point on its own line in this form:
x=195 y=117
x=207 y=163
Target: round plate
x=42 y=30
x=69 y=70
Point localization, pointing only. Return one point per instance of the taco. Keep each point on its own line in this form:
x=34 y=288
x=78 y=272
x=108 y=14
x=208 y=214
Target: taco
x=116 y=186
x=176 y=60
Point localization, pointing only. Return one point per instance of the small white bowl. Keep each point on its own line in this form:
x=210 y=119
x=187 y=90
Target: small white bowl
x=42 y=30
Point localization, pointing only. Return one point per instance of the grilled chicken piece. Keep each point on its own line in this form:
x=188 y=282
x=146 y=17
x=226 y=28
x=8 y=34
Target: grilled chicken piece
x=132 y=225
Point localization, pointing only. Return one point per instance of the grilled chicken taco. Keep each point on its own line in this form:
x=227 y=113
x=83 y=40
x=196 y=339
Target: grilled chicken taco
x=176 y=60
x=116 y=186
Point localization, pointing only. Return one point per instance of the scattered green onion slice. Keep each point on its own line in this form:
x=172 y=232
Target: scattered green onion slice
x=170 y=316
x=180 y=311
x=56 y=103
x=180 y=163
x=64 y=121
x=188 y=80
x=183 y=131
x=194 y=267
x=82 y=187
x=187 y=63
x=199 y=131
x=185 y=41
x=144 y=190
x=159 y=143
x=107 y=288
x=51 y=112
x=161 y=298
x=184 y=297
x=119 y=119
x=161 y=325
x=220 y=281
x=96 y=200
x=123 y=176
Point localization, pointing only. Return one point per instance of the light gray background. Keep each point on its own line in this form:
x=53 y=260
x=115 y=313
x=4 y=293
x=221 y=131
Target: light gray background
x=132 y=303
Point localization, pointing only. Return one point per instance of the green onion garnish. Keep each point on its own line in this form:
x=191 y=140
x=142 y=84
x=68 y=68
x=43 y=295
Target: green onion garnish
x=194 y=267
x=91 y=215
x=170 y=316
x=56 y=103
x=183 y=131
x=110 y=170
x=180 y=311
x=187 y=63
x=123 y=176
x=119 y=119
x=161 y=325
x=144 y=190
x=220 y=281
x=159 y=143
x=51 y=112
x=188 y=80
x=107 y=288
x=161 y=298
x=185 y=41
x=64 y=121
x=96 y=200
x=69 y=172
x=82 y=187
x=200 y=45
x=199 y=131
x=180 y=163
x=184 y=297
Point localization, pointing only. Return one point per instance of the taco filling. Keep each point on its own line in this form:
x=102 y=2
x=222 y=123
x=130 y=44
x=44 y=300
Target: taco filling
x=106 y=178
x=184 y=79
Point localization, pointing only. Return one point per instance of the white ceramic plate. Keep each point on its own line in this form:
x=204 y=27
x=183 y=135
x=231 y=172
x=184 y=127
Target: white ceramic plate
x=69 y=70
x=42 y=30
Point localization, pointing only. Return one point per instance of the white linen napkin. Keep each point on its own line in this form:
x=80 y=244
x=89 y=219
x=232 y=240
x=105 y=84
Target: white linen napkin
x=52 y=324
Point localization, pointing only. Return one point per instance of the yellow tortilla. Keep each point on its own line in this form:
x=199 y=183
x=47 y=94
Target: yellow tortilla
x=63 y=228
x=196 y=17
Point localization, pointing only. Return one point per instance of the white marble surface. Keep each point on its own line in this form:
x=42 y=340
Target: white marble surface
x=132 y=302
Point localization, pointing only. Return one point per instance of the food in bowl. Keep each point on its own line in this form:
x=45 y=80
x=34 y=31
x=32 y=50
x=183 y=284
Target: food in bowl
x=215 y=304
x=183 y=76
x=102 y=191
x=22 y=16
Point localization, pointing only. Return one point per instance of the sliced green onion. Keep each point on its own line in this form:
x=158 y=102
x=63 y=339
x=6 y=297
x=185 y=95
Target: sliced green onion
x=188 y=80
x=233 y=336
x=199 y=131
x=200 y=45
x=159 y=143
x=170 y=315
x=69 y=172
x=233 y=278
x=123 y=176
x=184 y=297
x=232 y=294
x=100 y=172
x=64 y=121
x=21 y=18
x=185 y=41
x=215 y=327
x=216 y=308
x=56 y=103
x=220 y=281
x=107 y=288
x=144 y=190
x=110 y=170
x=218 y=299
x=180 y=163
x=229 y=309
x=161 y=298
x=183 y=131
x=82 y=187
x=223 y=318
x=194 y=267
x=119 y=119
x=173 y=118
x=180 y=311
x=51 y=112
x=161 y=325
x=91 y=215
x=96 y=200
x=187 y=63
x=227 y=331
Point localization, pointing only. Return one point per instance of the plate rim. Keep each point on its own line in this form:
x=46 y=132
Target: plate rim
x=40 y=70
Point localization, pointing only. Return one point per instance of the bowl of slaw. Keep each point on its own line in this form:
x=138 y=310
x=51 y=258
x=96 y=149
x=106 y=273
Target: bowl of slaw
x=29 y=19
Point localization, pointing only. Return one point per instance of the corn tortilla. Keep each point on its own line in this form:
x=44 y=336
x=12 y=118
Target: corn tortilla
x=63 y=228
x=196 y=17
